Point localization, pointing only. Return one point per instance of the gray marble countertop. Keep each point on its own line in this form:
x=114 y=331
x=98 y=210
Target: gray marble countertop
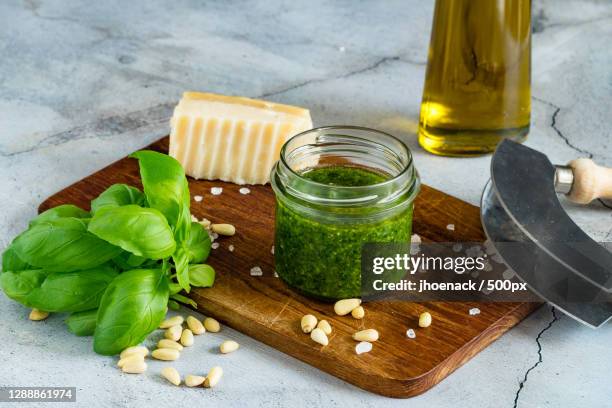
x=84 y=83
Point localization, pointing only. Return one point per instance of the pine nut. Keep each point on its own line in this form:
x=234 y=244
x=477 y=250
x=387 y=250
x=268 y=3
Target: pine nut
x=187 y=338
x=213 y=377
x=212 y=325
x=319 y=336
x=165 y=354
x=195 y=325
x=174 y=333
x=140 y=350
x=37 y=315
x=173 y=321
x=223 y=229
x=194 y=380
x=425 y=319
x=170 y=374
x=368 y=335
x=345 y=306
x=228 y=346
x=130 y=359
x=171 y=344
x=308 y=323
x=135 y=367
x=325 y=326
x=358 y=312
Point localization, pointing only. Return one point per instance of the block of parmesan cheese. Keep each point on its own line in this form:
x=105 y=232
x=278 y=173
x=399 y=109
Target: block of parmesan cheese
x=229 y=138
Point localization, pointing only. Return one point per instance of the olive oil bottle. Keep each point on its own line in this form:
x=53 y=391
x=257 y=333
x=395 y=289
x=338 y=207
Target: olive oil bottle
x=477 y=84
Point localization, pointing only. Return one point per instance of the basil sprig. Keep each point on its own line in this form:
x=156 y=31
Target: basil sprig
x=118 y=268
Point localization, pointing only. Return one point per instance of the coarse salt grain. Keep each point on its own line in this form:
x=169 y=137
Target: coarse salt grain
x=275 y=274
x=450 y=227
x=215 y=235
x=474 y=311
x=198 y=198
x=231 y=248
x=256 y=271
x=363 y=347
x=410 y=333
x=205 y=223
x=244 y=190
x=272 y=250
x=474 y=251
x=215 y=245
x=415 y=244
x=216 y=190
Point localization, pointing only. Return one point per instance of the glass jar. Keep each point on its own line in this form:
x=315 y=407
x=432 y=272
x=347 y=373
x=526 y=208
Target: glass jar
x=337 y=188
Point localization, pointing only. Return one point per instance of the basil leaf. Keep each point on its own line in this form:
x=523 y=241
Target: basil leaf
x=181 y=265
x=195 y=249
x=72 y=291
x=174 y=288
x=120 y=261
x=202 y=276
x=172 y=304
x=133 y=305
x=63 y=244
x=82 y=323
x=141 y=231
x=126 y=260
x=18 y=285
x=135 y=260
x=61 y=211
x=12 y=262
x=166 y=189
x=185 y=300
x=198 y=244
x=116 y=196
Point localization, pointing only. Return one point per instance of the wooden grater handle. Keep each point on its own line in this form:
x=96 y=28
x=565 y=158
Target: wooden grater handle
x=590 y=181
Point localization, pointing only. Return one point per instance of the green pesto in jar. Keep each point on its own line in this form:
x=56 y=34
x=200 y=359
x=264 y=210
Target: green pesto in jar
x=344 y=176
x=322 y=258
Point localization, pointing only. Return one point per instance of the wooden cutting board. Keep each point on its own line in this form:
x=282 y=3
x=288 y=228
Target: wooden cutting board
x=267 y=310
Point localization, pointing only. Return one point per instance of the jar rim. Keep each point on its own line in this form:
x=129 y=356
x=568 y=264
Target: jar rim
x=382 y=149
x=407 y=167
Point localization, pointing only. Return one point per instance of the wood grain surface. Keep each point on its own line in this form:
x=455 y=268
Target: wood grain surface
x=266 y=309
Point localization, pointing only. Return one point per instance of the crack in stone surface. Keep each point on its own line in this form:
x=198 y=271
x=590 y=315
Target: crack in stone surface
x=541 y=27
x=539 y=20
x=540 y=358
x=553 y=125
x=371 y=67
x=119 y=124
x=102 y=128
x=602 y=202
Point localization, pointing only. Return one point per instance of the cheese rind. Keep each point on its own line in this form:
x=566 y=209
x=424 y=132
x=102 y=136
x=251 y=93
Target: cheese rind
x=236 y=139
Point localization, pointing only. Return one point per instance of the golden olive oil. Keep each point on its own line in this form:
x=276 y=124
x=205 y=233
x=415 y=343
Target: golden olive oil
x=477 y=85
